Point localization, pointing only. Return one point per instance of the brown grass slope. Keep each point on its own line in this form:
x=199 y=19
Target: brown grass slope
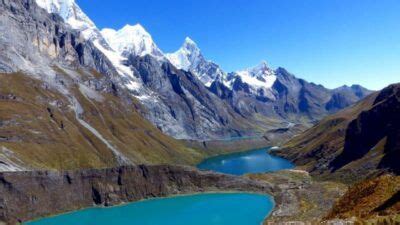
x=38 y=128
x=373 y=198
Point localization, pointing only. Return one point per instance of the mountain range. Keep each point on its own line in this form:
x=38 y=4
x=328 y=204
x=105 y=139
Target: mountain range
x=83 y=77
x=260 y=95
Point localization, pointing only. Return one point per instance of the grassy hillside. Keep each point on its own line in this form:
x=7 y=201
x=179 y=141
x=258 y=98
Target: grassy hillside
x=39 y=128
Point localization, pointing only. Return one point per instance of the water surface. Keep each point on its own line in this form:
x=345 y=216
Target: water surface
x=254 y=161
x=202 y=209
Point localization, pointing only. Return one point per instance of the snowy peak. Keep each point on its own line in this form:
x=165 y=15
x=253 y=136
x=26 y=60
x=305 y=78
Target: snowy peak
x=261 y=76
x=190 y=46
x=132 y=40
x=187 y=57
x=72 y=15
x=260 y=70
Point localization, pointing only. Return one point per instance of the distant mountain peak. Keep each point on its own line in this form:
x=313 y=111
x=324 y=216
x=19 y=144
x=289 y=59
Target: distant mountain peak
x=131 y=39
x=135 y=28
x=189 y=43
x=187 y=57
x=190 y=58
x=261 y=69
x=260 y=76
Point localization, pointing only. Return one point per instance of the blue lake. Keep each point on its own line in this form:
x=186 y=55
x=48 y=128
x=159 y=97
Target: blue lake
x=201 y=209
x=254 y=161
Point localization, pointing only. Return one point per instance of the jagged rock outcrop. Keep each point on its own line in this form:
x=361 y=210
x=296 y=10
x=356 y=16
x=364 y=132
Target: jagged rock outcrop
x=28 y=195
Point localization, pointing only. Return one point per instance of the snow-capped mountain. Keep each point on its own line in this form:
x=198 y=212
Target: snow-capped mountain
x=189 y=58
x=132 y=40
x=72 y=15
x=260 y=76
x=257 y=80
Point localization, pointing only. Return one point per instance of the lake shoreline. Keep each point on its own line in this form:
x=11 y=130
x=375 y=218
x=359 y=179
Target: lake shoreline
x=246 y=162
x=45 y=193
x=268 y=197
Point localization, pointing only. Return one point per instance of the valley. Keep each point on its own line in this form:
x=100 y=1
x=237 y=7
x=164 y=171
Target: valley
x=103 y=122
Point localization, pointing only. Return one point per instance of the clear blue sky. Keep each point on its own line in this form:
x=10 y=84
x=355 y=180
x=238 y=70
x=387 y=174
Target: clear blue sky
x=331 y=42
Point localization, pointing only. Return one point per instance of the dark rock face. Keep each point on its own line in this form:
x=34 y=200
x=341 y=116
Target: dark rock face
x=380 y=123
x=337 y=102
x=221 y=90
x=28 y=195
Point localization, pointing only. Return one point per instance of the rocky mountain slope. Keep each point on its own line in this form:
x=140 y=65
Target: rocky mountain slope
x=63 y=105
x=356 y=143
x=183 y=107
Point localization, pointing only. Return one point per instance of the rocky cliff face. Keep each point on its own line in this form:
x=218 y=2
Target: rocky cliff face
x=29 y=195
x=32 y=40
x=358 y=142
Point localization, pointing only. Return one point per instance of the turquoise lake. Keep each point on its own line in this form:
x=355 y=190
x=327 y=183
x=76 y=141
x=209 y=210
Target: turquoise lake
x=254 y=161
x=201 y=209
